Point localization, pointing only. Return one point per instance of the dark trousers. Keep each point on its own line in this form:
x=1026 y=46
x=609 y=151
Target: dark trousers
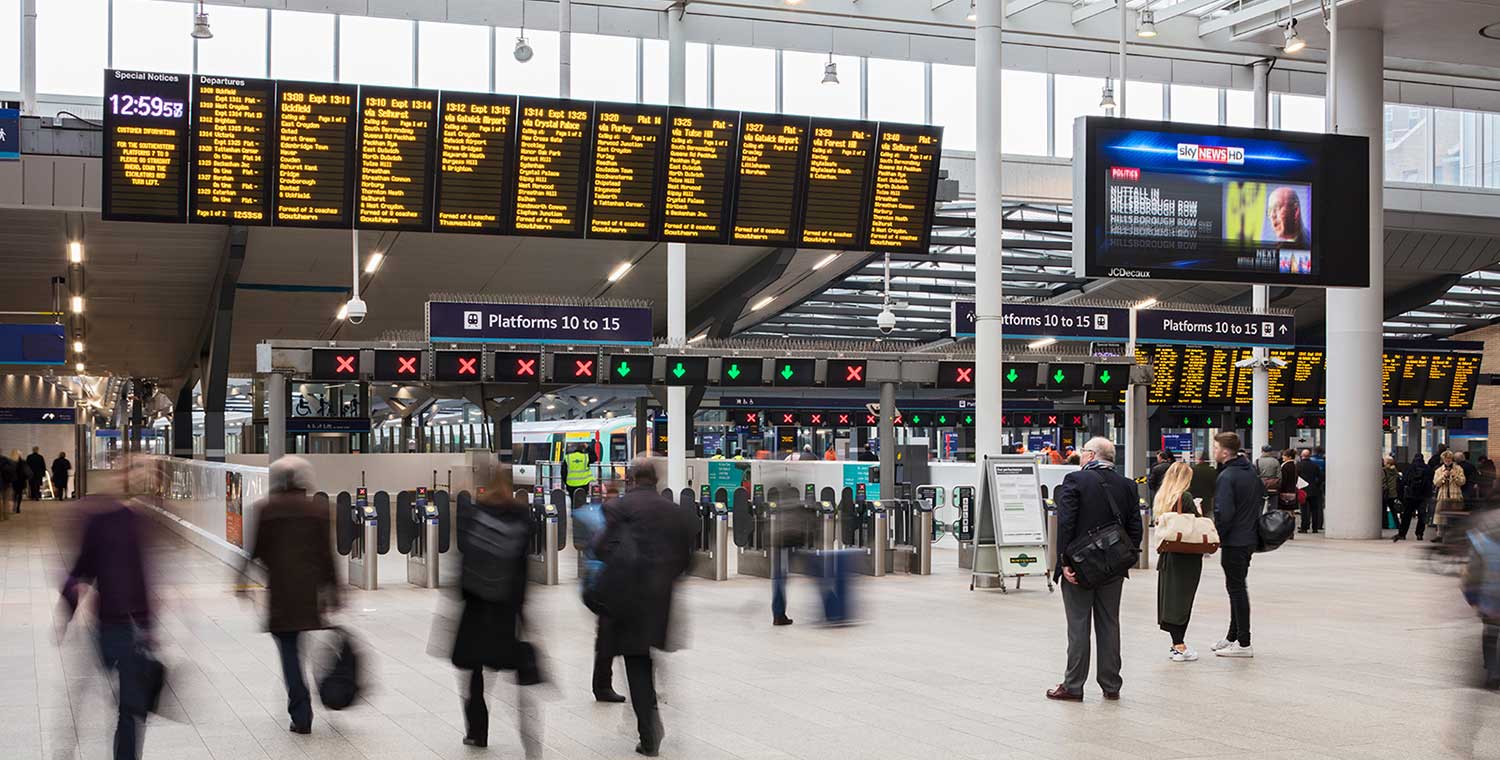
x=1101 y=608
x=604 y=674
x=18 y=492
x=36 y=489
x=643 y=698
x=1413 y=509
x=117 y=648
x=60 y=485
x=1236 y=563
x=1177 y=631
x=476 y=712
x=1312 y=512
x=1490 y=644
x=780 y=558
x=298 y=700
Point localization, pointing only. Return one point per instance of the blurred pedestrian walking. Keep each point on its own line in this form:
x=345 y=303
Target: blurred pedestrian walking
x=37 y=465
x=60 y=469
x=21 y=477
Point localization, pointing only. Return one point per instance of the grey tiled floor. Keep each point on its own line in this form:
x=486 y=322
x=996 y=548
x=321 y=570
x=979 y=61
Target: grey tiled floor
x=1360 y=655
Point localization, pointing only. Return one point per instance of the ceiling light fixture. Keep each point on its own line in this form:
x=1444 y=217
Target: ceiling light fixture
x=793 y=2
x=1043 y=343
x=343 y=311
x=200 y=24
x=75 y=252
x=1490 y=32
x=1145 y=23
x=1294 y=41
x=1107 y=97
x=830 y=71
x=374 y=263
x=973 y=12
x=825 y=262
x=77 y=304
x=1146 y=304
x=763 y=303
x=620 y=271
x=79 y=366
x=699 y=338
x=77 y=346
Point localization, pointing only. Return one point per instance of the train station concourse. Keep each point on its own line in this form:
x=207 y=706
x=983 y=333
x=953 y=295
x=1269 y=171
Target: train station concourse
x=749 y=379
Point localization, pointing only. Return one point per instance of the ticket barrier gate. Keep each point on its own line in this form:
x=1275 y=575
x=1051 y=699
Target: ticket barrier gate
x=963 y=527
x=362 y=532
x=864 y=527
x=1050 y=507
x=423 y=530
x=911 y=524
x=1147 y=518
x=754 y=528
x=710 y=558
x=547 y=536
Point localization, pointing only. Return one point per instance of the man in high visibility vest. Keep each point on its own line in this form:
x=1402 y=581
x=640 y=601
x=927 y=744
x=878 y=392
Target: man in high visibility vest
x=578 y=475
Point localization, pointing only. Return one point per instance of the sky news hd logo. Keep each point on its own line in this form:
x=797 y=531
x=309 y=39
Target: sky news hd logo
x=1210 y=154
x=473 y=320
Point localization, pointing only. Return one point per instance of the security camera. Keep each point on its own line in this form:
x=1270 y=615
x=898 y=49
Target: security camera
x=1246 y=363
x=523 y=51
x=357 y=311
x=1280 y=363
x=886 y=321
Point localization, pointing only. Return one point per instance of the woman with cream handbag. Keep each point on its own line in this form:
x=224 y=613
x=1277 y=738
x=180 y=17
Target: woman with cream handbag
x=1185 y=536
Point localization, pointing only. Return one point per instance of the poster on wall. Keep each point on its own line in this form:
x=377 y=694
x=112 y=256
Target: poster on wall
x=867 y=475
x=234 y=509
x=728 y=476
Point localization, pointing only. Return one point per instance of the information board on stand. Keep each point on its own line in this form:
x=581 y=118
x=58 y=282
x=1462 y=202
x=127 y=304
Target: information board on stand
x=1010 y=522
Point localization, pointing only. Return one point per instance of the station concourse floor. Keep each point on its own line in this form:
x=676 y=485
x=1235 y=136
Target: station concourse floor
x=1359 y=654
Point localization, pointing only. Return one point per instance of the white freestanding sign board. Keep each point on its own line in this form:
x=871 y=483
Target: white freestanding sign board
x=1012 y=522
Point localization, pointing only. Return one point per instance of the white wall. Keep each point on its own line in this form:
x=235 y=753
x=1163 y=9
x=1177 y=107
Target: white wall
x=381 y=472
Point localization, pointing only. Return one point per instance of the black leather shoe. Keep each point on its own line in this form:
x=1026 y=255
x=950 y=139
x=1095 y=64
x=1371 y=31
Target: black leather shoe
x=610 y=696
x=296 y=729
x=469 y=741
x=642 y=749
x=781 y=621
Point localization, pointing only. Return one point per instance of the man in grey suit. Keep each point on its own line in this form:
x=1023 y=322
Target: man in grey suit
x=1093 y=497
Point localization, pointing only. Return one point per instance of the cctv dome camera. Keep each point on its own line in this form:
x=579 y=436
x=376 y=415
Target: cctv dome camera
x=523 y=50
x=357 y=310
x=886 y=322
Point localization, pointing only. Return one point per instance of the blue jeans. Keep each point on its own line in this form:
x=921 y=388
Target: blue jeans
x=780 y=558
x=298 y=700
x=835 y=586
x=117 y=648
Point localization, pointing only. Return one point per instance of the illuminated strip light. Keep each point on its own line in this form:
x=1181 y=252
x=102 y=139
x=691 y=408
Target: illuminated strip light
x=1173 y=152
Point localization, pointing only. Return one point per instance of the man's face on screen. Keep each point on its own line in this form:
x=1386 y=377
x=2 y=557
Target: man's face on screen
x=1286 y=214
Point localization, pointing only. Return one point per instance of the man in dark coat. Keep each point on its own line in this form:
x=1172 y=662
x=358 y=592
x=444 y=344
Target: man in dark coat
x=38 y=466
x=1309 y=470
x=1237 y=508
x=661 y=536
x=1205 y=474
x=292 y=540
x=1093 y=497
x=60 y=469
x=1164 y=460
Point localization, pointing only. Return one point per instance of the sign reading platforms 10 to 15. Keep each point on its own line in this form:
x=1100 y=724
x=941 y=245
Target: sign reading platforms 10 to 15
x=537 y=323
x=1220 y=204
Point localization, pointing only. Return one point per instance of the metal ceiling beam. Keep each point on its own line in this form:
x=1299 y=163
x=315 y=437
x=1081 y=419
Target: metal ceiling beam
x=1188 y=6
x=1251 y=13
x=1019 y=6
x=1086 y=12
x=915 y=336
x=719 y=312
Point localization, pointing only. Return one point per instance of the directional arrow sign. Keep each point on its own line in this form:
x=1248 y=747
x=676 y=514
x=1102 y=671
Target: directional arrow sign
x=685 y=370
x=740 y=371
x=795 y=372
x=623 y=370
x=1058 y=377
x=786 y=372
x=1215 y=328
x=733 y=371
x=678 y=371
x=1062 y=376
x=1011 y=376
x=1104 y=376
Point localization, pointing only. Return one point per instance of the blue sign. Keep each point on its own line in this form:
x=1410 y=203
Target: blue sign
x=1215 y=329
x=32 y=415
x=10 y=134
x=33 y=344
x=537 y=323
x=327 y=425
x=1030 y=321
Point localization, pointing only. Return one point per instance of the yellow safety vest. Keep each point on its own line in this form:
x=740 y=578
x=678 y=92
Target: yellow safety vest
x=578 y=470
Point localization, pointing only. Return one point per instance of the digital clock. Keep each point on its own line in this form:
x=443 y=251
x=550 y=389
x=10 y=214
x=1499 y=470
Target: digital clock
x=145 y=105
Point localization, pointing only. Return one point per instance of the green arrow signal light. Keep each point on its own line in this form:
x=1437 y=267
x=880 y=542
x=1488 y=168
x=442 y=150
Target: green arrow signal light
x=943 y=420
x=786 y=372
x=1104 y=376
x=1185 y=421
x=1012 y=375
x=679 y=370
x=969 y=419
x=624 y=369
x=734 y=372
x=916 y=419
x=1059 y=377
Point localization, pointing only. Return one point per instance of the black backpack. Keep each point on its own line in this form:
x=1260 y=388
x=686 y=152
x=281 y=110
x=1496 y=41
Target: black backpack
x=617 y=592
x=338 y=686
x=493 y=548
x=1106 y=552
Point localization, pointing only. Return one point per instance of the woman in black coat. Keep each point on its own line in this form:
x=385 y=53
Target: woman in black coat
x=1416 y=489
x=493 y=536
x=22 y=477
x=1177 y=574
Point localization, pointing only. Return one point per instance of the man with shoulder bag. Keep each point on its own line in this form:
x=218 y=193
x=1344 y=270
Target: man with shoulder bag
x=1098 y=539
x=1238 y=504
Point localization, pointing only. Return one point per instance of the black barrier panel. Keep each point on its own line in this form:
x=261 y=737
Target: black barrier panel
x=445 y=526
x=827 y=495
x=667 y=493
x=462 y=506
x=744 y=518
x=343 y=524
x=406 y=528
x=383 y=514
x=773 y=495
x=846 y=515
x=721 y=496
x=560 y=503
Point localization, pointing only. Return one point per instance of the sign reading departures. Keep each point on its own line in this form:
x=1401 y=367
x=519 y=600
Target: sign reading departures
x=226 y=150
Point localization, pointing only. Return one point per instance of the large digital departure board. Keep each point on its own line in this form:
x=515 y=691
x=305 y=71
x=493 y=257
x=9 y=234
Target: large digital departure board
x=145 y=146
x=395 y=158
x=840 y=156
x=230 y=182
x=628 y=141
x=315 y=155
x=905 y=188
x=475 y=140
x=552 y=152
x=768 y=179
x=700 y=157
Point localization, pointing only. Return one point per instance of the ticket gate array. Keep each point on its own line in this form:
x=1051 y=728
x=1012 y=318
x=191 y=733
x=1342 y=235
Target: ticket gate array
x=710 y=556
x=423 y=530
x=755 y=531
x=549 y=517
x=863 y=525
x=362 y=532
x=911 y=525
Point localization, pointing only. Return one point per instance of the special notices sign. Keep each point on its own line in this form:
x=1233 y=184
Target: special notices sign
x=145 y=146
x=450 y=322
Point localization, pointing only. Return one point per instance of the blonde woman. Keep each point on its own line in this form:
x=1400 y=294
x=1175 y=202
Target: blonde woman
x=1448 y=483
x=1176 y=574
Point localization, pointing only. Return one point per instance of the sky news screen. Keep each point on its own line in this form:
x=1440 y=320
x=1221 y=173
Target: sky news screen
x=1183 y=202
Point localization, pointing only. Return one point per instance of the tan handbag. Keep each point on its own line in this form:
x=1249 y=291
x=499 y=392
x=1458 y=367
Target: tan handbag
x=1183 y=533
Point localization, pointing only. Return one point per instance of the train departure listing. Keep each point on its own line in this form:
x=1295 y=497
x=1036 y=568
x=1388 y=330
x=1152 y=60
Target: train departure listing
x=145 y=146
x=474 y=160
x=627 y=152
x=231 y=183
x=700 y=152
x=395 y=158
x=906 y=160
x=551 y=166
x=314 y=150
x=771 y=155
x=837 y=184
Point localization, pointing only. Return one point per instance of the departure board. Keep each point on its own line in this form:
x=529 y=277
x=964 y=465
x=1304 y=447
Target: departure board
x=315 y=126
x=1166 y=360
x=769 y=179
x=1390 y=378
x=1409 y=388
x=1465 y=381
x=552 y=151
x=628 y=142
x=395 y=158
x=1222 y=376
x=1439 y=389
x=700 y=161
x=145 y=146
x=840 y=154
x=1306 y=386
x=230 y=181
x=475 y=136
x=1279 y=380
x=905 y=188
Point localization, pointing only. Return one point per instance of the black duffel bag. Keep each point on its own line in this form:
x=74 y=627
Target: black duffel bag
x=1106 y=552
x=1273 y=528
x=339 y=683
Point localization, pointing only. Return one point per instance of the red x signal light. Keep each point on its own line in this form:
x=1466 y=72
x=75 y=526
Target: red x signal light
x=345 y=364
x=468 y=366
x=843 y=419
x=817 y=419
x=1051 y=420
x=526 y=368
x=788 y=418
x=871 y=419
x=583 y=368
x=751 y=418
x=406 y=365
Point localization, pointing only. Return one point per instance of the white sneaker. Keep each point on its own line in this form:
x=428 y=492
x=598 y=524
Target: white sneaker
x=1235 y=650
x=1186 y=655
x=1221 y=645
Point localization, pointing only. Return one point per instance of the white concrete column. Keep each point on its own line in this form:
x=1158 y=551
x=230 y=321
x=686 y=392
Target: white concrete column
x=1355 y=317
x=678 y=428
x=28 y=57
x=988 y=236
x=276 y=416
x=564 y=48
x=1260 y=389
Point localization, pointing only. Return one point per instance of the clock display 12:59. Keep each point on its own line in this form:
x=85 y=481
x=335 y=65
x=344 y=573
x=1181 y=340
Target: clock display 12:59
x=133 y=105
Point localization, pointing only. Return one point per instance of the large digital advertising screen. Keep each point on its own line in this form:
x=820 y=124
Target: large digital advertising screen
x=1220 y=204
